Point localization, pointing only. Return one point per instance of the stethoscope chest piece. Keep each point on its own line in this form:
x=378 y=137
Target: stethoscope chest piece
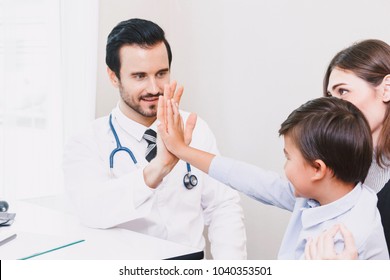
x=190 y=181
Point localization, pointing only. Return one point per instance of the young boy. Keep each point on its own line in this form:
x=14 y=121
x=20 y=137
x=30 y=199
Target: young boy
x=328 y=149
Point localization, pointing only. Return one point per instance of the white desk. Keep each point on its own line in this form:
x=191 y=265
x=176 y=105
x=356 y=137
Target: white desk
x=39 y=228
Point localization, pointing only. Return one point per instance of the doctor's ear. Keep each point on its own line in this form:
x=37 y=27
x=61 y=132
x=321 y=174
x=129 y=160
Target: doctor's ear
x=386 y=89
x=113 y=78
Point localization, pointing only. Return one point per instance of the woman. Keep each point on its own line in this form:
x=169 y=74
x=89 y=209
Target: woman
x=360 y=74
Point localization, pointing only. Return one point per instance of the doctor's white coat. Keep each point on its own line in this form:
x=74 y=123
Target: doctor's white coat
x=170 y=211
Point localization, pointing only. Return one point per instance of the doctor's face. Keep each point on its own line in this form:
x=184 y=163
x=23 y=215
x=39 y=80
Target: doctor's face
x=143 y=74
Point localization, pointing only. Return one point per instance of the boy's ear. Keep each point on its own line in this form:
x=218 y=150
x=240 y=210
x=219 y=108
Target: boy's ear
x=320 y=170
x=113 y=78
x=386 y=88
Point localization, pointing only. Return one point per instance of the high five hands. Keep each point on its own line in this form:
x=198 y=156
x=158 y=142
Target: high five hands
x=171 y=129
x=165 y=160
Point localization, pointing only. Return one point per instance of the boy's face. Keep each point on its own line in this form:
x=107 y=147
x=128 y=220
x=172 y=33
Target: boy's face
x=298 y=171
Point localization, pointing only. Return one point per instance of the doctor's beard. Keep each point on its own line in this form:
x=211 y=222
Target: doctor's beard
x=135 y=104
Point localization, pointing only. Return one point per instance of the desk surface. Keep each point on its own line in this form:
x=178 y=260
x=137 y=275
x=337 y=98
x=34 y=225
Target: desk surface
x=41 y=227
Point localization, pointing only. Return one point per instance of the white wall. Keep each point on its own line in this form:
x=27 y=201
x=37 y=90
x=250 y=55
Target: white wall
x=245 y=65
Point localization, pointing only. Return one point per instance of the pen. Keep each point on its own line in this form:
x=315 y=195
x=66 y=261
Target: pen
x=51 y=250
x=8 y=239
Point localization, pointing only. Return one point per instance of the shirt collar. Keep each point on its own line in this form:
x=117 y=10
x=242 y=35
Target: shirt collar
x=133 y=128
x=320 y=214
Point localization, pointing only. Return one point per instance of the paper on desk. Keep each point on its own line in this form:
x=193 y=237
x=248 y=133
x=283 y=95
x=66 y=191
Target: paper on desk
x=29 y=245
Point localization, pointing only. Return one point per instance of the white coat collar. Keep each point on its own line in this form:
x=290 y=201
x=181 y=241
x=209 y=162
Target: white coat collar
x=133 y=128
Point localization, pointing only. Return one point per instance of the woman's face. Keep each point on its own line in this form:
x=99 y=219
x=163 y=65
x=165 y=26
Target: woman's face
x=346 y=85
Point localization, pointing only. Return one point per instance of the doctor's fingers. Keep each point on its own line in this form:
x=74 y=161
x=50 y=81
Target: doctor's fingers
x=161 y=112
x=176 y=94
x=170 y=119
x=176 y=114
x=175 y=123
x=178 y=122
x=173 y=91
x=169 y=89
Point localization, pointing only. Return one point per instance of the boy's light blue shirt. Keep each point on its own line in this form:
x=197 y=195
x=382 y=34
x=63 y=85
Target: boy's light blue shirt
x=357 y=210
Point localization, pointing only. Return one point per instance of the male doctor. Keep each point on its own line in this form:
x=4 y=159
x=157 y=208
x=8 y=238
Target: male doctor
x=149 y=197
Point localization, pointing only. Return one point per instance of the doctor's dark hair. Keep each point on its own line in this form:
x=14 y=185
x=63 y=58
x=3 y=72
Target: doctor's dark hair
x=334 y=131
x=369 y=60
x=140 y=32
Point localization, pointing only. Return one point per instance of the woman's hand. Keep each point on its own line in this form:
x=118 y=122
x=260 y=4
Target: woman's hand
x=322 y=247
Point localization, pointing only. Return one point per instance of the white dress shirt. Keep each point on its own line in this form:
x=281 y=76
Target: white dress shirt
x=170 y=211
x=357 y=210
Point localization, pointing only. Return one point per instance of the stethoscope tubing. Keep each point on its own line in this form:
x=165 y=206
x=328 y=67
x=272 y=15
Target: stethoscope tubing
x=118 y=147
x=189 y=181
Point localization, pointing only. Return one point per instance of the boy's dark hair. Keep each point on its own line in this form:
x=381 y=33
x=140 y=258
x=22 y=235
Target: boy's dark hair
x=134 y=31
x=334 y=131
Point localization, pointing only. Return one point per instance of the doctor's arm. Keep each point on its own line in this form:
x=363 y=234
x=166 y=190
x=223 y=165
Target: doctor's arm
x=99 y=200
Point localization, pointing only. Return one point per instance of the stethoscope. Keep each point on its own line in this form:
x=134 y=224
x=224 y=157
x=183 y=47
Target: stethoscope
x=189 y=180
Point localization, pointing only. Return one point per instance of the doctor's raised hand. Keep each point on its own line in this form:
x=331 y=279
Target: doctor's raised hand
x=164 y=161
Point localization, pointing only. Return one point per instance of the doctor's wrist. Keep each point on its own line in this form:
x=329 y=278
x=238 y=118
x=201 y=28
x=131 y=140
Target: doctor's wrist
x=155 y=172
